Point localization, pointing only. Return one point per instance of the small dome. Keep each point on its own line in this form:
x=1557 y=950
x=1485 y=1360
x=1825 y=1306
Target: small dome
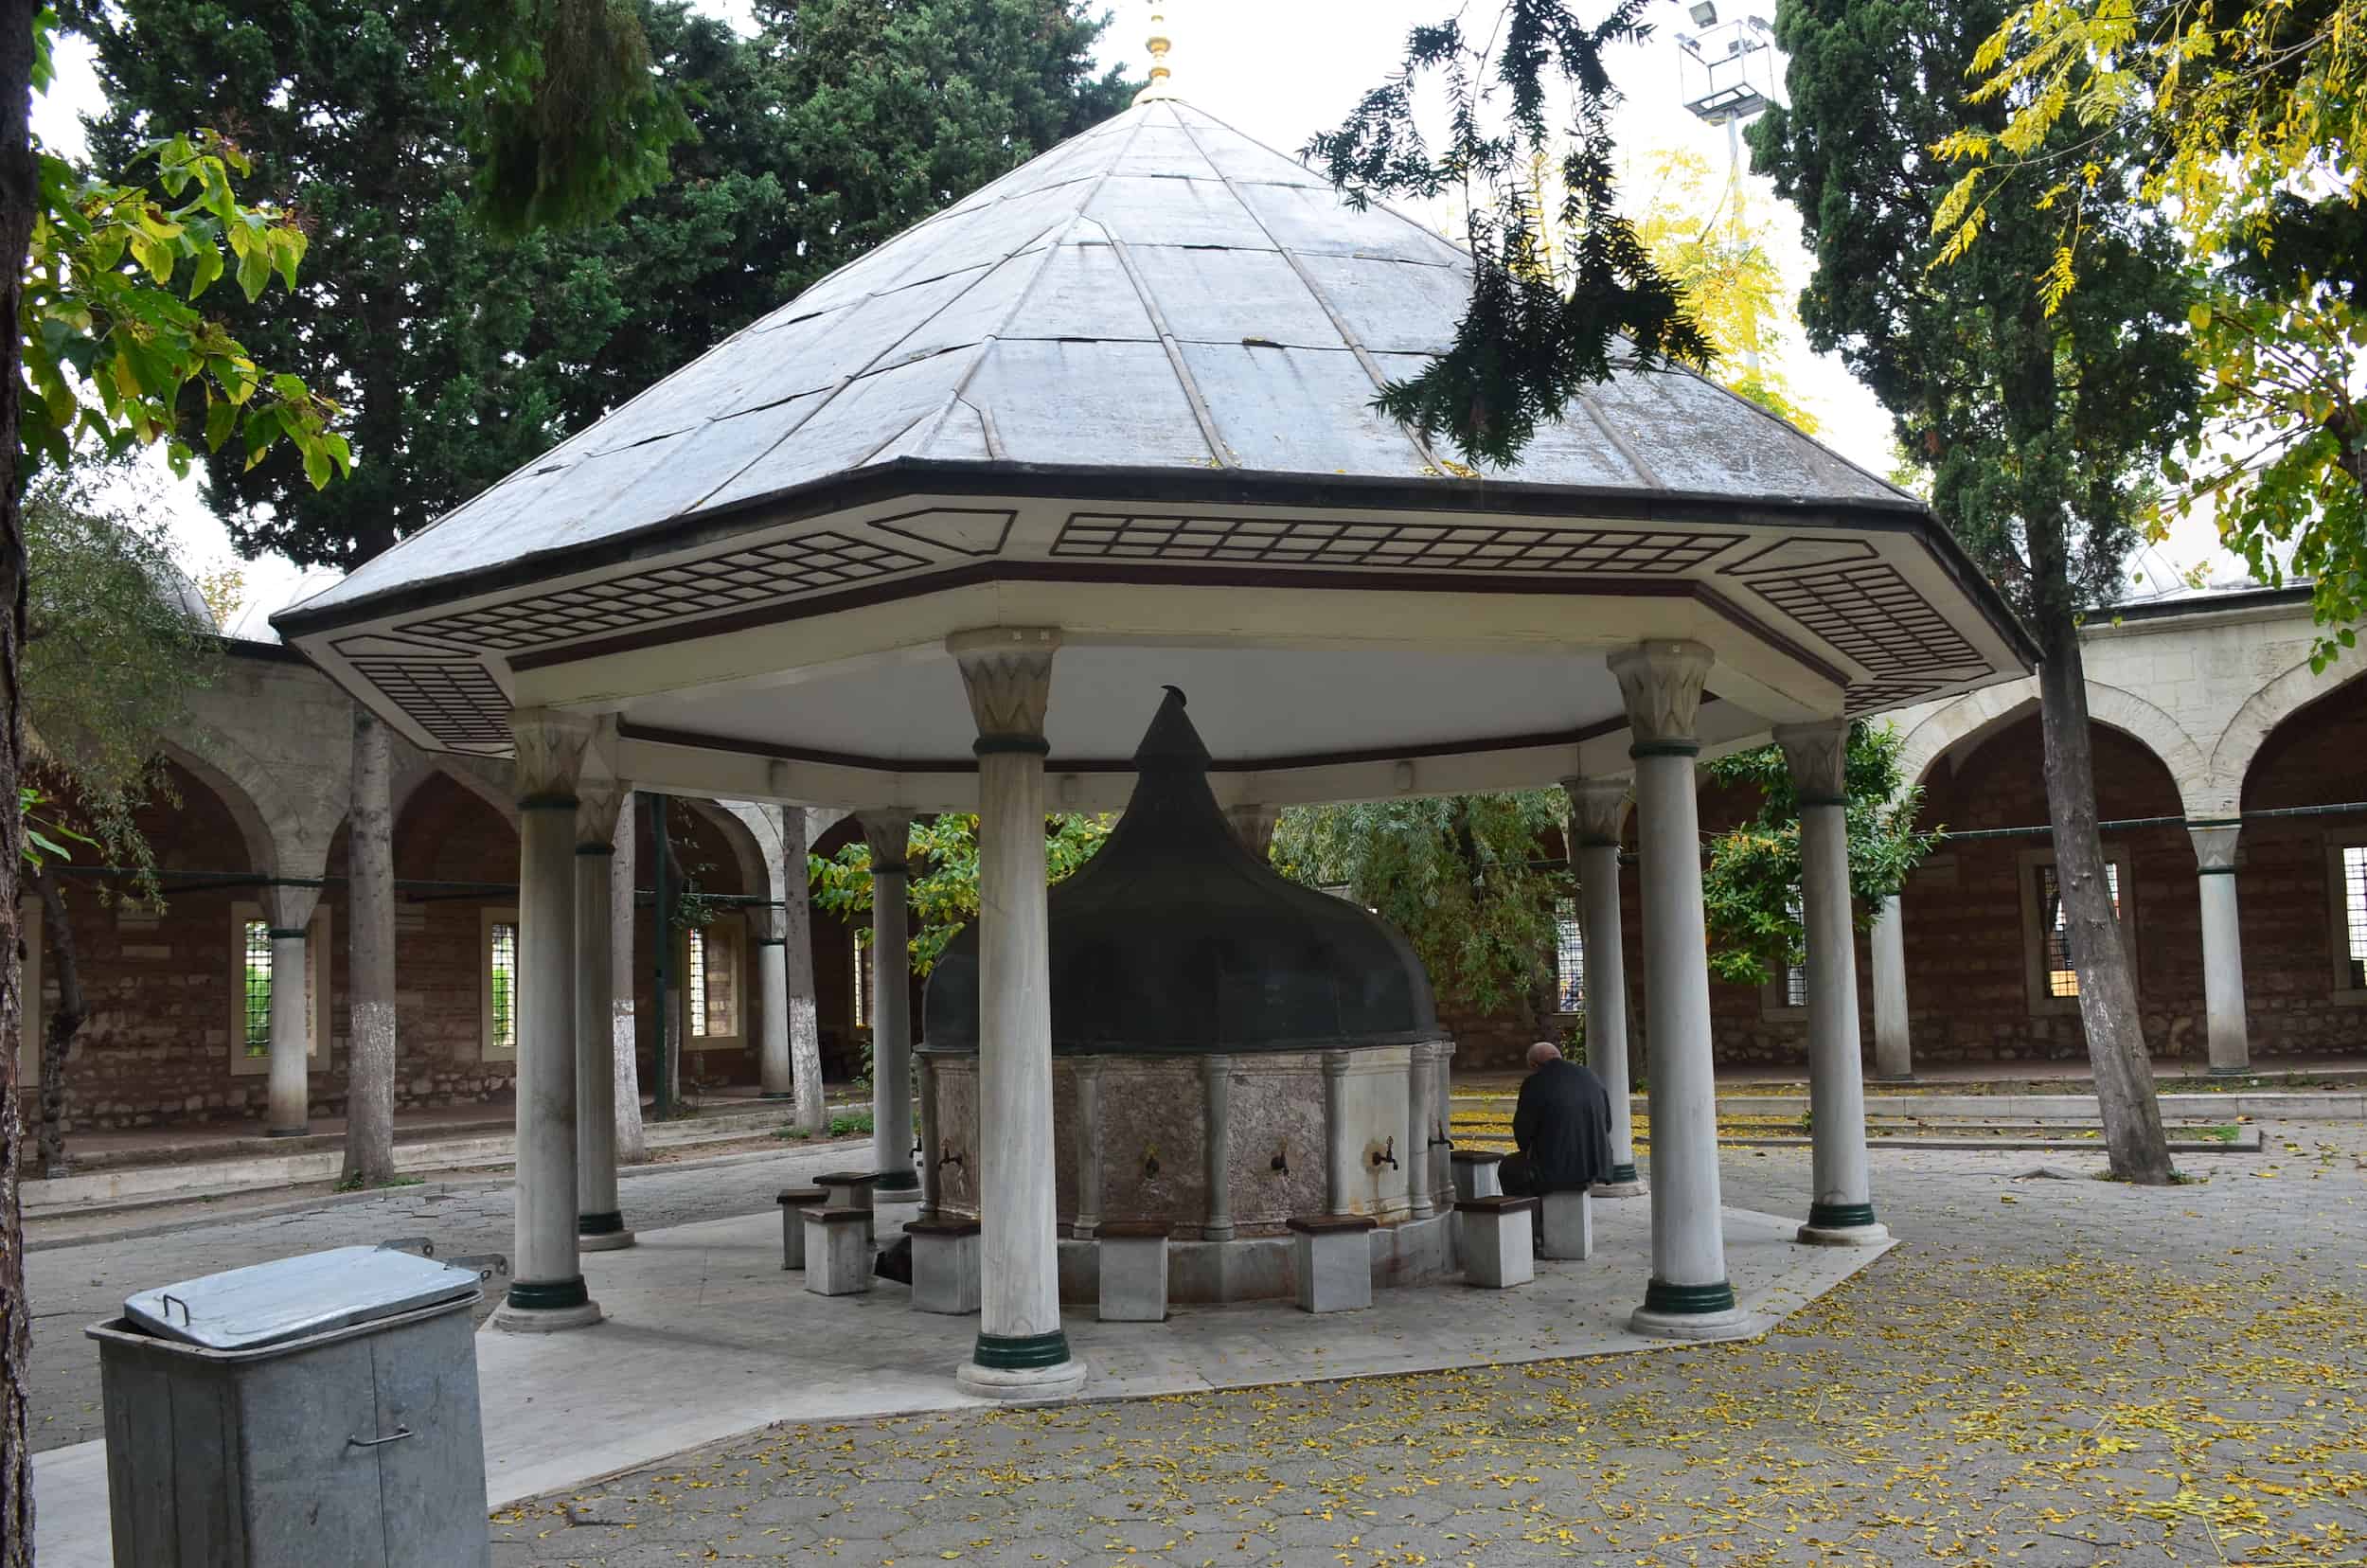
x=1174 y=938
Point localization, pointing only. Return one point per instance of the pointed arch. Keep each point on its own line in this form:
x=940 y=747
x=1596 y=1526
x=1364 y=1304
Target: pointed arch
x=2278 y=700
x=1964 y=723
x=254 y=827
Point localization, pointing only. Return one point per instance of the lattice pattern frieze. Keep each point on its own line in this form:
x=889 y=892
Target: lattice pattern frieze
x=455 y=700
x=764 y=574
x=1424 y=546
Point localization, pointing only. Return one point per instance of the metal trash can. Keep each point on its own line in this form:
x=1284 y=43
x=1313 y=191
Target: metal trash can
x=313 y=1411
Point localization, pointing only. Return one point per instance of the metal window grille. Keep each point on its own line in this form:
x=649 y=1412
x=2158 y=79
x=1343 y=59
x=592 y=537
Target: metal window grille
x=698 y=982
x=2062 y=979
x=502 y=957
x=1795 y=975
x=863 y=979
x=256 y=957
x=1569 y=957
x=2355 y=911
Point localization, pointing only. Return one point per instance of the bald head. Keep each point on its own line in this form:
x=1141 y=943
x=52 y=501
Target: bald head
x=1543 y=1052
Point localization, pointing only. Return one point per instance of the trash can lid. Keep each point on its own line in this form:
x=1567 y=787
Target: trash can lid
x=291 y=1297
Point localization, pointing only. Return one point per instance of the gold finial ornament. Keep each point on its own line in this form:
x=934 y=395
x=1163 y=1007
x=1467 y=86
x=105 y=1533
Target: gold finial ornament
x=1161 y=82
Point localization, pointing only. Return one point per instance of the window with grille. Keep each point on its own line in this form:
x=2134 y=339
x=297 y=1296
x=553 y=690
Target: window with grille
x=2062 y=979
x=256 y=976
x=501 y=971
x=1795 y=975
x=711 y=977
x=1568 y=958
x=863 y=979
x=2354 y=921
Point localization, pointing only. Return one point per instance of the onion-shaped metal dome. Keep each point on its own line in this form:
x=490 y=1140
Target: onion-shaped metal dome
x=1175 y=939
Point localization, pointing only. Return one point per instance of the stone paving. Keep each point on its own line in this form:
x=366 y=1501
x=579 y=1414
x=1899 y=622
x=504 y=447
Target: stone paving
x=2050 y=1372
x=74 y=1286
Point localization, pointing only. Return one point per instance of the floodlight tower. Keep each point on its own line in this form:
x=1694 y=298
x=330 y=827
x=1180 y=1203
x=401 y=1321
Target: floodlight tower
x=1726 y=74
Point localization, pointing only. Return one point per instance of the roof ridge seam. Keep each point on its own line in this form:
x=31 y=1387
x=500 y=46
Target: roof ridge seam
x=1218 y=448
x=1768 y=414
x=1339 y=323
x=1643 y=470
x=1028 y=291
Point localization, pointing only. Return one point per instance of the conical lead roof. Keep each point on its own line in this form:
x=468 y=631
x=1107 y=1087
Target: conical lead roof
x=1160 y=291
x=1175 y=939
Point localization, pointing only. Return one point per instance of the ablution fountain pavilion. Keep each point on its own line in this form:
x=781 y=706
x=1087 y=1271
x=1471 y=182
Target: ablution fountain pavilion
x=933 y=536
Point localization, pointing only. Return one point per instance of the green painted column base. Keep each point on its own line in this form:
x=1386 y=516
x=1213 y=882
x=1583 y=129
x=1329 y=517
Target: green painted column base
x=549 y=1295
x=896 y=1181
x=1008 y=1354
x=1624 y=1175
x=1688 y=1300
x=1840 y=1215
x=599 y=1224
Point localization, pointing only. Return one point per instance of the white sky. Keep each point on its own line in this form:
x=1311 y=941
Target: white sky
x=1278 y=70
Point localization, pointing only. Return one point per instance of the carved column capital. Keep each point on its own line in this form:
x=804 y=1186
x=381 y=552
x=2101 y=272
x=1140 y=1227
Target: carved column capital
x=1817 y=756
x=889 y=834
x=1662 y=683
x=598 y=803
x=1598 y=809
x=551 y=753
x=2215 y=847
x=1008 y=672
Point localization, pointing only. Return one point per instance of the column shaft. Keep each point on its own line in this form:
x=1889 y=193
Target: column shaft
x=599 y=1217
x=1417 y=1130
x=1894 y=1053
x=2222 y=949
x=545 y=1274
x=775 y=1078
x=1607 y=1006
x=891 y=997
x=931 y=1143
x=1338 y=1168
x=1843 y=1208
x=1088 y=1148
x=290 y=1035
x=1217 y=1146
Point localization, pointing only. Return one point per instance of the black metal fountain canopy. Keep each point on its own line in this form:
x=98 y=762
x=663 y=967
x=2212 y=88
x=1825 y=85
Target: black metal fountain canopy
x=1174 y=938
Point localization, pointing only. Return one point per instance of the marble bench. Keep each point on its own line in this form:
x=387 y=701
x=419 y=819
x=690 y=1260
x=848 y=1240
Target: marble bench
x=1492 y=1239
x=1476 y=1174
x=1133 y=1258
x=838 y=1250
x=794 y=1202
x=851 y=1189
x=1335 y=1262
x=1566 y=1227
x=945 y=1265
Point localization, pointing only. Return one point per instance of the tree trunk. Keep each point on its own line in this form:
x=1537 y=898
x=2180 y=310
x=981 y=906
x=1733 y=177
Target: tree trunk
x=370 y=949
x=631 y=1147
x=57 y=1041
x=2107 y=992
x=804 y=1033
x=18 y=195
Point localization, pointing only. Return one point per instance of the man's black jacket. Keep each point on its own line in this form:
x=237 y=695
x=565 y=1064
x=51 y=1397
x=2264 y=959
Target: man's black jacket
x=1563 y=1125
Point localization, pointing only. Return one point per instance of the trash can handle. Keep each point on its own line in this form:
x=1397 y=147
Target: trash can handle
x=399 y=1433
x=167 y=1300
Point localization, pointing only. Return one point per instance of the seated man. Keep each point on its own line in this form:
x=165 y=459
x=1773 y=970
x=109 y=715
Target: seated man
x=1561 y=1128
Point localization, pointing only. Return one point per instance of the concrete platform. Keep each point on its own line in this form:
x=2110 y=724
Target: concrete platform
x=706 y=1337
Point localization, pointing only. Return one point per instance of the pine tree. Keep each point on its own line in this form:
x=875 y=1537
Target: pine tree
x=2039 y=433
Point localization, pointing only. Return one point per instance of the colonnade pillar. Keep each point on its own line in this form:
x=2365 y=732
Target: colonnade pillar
x=288 y=909
x=1842 y=1210
x=775 y=1076
x=2222 y=948
x=599 y=1217
x=889 y=835
x=1217 y=1146
x=1598 y=815
x=546 y=1289
x=1021 y=1352
x=1894 y=1053
x=1689 y=1296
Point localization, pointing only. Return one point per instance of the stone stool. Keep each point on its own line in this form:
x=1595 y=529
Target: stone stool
x=945 y=1265
x=1492 y=1236
x=1335 y=1261
x=838 y=1250
x=1132 y=1254
x=794 y=1201
x=851 y=1189
x=1566 y=1228
x=1475 y=1173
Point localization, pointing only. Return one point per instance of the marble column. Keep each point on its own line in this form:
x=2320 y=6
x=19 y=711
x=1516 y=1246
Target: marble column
x=1598 y=816
x=1419 y=1130
x=1253 y=825
x=1021 y=1353
x=1689 y=1296
x=599 y=1217
x=546 y=1289
x=776 y=1078
x=1088 y=1220
x=2222 y=948
x=889 y=834
x=1894 y=1053
x=288 y=907
x=1215 y=1077
x=1441 y=1109
x=931 y=1143
x=1841 y=1212
x=1339 y=1172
